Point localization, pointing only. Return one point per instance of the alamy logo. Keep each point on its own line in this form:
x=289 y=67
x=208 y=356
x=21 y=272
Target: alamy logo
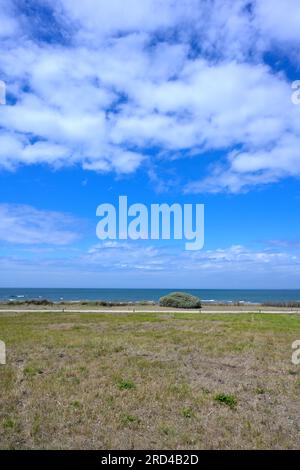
x=296 y=94
x=2 y=92
x=160 y=222
x=296 y=353
x=2 y=353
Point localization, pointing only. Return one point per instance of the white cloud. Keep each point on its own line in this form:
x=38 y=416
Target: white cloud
x=102 y=17
x=123 y=77
x=125 y=263
x=8 y=24
x=119 y=256
x=25 y=225
x=279 y=21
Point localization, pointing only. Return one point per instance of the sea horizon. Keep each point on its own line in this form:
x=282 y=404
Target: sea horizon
x=147 y=294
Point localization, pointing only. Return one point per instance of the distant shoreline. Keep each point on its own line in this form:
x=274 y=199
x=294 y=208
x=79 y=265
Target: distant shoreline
x=150 y=295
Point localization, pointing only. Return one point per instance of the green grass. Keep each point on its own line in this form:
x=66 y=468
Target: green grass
x=140 y=380
x=228 y=400
x=125 y=384
x=187 y=413
x=128 y=420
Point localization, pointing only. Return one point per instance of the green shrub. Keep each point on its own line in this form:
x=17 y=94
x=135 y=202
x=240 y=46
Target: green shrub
x=31 y=302
x=180 y=300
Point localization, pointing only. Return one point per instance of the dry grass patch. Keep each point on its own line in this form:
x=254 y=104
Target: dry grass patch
x=179 y=381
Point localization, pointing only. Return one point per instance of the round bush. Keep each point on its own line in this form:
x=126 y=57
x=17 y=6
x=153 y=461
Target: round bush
x=180 y=300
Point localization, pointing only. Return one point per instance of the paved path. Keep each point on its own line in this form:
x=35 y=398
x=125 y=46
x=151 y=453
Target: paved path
x=143 y=311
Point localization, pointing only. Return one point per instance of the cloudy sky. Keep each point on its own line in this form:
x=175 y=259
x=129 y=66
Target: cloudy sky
x=185 y=101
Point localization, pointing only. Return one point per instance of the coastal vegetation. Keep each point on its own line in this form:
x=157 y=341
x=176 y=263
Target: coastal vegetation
x=91 y=303
x=180 y=300
x=288 y=304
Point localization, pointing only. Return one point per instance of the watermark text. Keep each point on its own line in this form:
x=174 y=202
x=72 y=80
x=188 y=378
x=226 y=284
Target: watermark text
x=159 y=222
x=296 y=353
x=2 y=92
x=2 y=353
x=296 y=94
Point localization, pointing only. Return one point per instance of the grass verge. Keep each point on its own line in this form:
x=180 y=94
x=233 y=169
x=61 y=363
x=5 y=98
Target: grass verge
x=160 y=380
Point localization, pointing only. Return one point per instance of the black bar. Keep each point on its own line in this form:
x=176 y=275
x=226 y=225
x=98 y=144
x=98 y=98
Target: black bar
x=138 y=458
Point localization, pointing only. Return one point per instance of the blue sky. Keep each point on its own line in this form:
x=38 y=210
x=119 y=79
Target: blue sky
x=176 y=101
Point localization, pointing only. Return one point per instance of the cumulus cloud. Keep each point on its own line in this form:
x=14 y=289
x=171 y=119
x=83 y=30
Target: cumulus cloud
x=26 y=225
x=8 y=24
x=103 y=82
x=125 y=262
x=128 y=256
x=279 y=22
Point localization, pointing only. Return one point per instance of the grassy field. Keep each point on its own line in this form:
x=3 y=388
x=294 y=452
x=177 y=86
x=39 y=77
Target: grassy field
x=154 y=381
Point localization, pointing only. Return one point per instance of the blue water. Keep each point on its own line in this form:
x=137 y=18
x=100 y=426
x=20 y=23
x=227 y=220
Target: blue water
x=132 y=295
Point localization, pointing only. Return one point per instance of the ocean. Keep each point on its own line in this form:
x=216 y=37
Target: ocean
x=134 y=295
